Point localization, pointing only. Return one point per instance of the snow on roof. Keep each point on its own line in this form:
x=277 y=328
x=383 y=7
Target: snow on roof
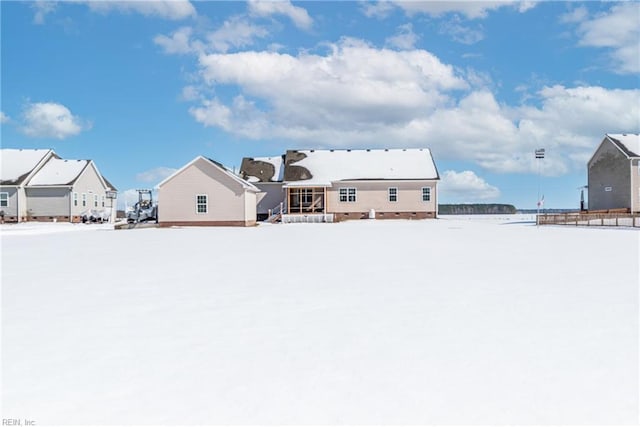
x=630 y=141
x=278 y=165
x=16 y=163
x=326 y=166
x=59 y=172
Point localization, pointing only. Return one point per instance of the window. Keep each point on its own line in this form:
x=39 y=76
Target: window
x=348 y=194
x=84 y=199
x=202 y=204
x=4 y=199
x=75 y=199
x=95 y=200
x=393 y=194
x=102 y=200
x=426 y=194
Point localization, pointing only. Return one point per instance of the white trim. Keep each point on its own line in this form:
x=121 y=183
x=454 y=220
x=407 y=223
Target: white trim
x=199 y=203
x=389 y=194
x=348 y=194
x=428 y=194
x=6 y=200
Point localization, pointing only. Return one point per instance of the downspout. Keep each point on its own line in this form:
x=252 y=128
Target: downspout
x=631 y=180
x=18 y=203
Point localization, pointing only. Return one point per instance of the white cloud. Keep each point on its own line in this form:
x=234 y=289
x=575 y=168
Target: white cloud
x=404 y=39
x=179 y=42
x=167 y=9
x=298 y=15
x=357 y=95
x=51 y=120
x=155 y=175
x=617 y=30
x=466 y=187
x=378 y=9
x=461 y=33
x=4 y=118
x=470 y=9
x=579 y=14
x=235 y=32
x=42 y=9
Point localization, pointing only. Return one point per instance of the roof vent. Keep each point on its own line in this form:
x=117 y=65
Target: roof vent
x=386 y=149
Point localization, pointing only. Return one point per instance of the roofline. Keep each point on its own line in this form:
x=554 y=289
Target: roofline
x=43 y=161
x=245 y=184
x=623 y=148
x=615 y=143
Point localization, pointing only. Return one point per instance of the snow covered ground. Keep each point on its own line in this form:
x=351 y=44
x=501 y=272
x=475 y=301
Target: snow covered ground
x=483 y=320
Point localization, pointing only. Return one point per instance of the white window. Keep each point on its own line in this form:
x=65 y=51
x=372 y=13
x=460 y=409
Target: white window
x=4 y=199
x=393 y=194
x=348 y=194
x=202 y=204
x=426 y=194
x=75 y=199
x=84 y=199
x=102 y=200
x=95 y=200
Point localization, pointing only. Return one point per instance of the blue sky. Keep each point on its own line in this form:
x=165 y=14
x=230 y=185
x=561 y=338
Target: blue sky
x=144 y=87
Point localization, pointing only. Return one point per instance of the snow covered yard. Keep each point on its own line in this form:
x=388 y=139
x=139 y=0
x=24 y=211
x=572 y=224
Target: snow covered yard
x=453 y=321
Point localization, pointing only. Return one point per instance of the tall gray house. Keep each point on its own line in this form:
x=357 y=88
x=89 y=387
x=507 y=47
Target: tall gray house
x=614 y=173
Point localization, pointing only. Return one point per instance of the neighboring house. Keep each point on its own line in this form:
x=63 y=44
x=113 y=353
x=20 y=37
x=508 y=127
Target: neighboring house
x=614 y=173
x=204 y=192
x=334 y=185
x=37 y=185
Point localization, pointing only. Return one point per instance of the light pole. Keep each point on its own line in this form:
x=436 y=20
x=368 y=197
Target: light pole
x=539 y=153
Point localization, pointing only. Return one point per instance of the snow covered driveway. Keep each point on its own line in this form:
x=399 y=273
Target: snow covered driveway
x=452 y=321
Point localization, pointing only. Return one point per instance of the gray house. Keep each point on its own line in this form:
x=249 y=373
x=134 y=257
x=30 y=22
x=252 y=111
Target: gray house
x=614 y=173
x=38 y=185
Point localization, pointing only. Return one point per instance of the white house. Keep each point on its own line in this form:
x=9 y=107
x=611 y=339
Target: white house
x=205 y=193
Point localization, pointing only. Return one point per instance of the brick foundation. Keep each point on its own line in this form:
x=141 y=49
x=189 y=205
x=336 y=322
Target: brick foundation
x=344 y=216
x=207 y=224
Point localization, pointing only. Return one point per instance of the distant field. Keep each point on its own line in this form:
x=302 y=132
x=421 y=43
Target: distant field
x=461 y=320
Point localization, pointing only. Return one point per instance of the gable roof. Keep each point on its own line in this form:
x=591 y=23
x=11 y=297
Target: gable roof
x=245 y=184
x=628 y=143
x=59 y=172
x=322 y=167
x=17 y=164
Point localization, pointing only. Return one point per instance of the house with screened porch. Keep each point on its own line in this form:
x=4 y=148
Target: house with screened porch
x=337 y=185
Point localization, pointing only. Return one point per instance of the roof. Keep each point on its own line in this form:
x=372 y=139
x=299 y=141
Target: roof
x=629 y=143
x=245 y=184
x=109 y=184
x=263 y=169
x=59 y=172
x=322 y=167
x=17 y=164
